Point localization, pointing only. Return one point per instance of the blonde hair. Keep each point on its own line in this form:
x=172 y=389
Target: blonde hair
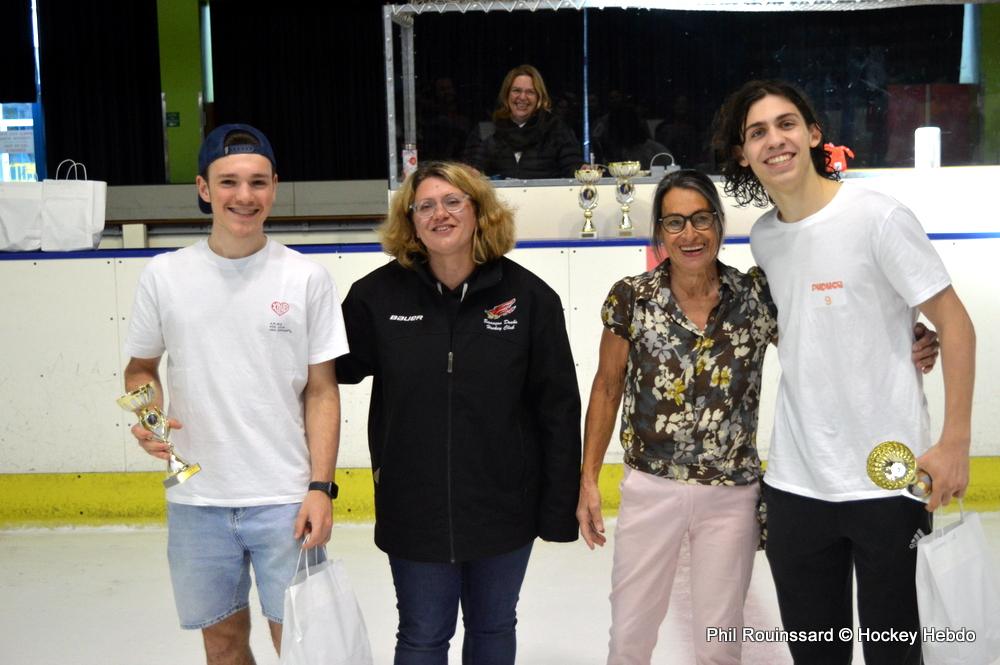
x=502 y=111
x=494 y=234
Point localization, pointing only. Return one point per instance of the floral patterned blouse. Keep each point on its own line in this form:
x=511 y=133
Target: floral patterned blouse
x=691 y=396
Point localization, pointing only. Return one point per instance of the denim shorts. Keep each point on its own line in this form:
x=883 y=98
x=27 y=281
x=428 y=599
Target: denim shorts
x=211 y=549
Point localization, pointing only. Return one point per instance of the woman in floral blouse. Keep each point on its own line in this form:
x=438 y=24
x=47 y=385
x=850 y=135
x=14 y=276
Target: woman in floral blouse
x=685 y=344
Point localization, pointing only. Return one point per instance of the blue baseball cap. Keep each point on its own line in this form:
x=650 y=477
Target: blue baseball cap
x=214 y=147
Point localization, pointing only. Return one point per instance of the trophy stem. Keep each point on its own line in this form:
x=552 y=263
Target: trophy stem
x=625 y=227
x=184 y=470
x=588 y=230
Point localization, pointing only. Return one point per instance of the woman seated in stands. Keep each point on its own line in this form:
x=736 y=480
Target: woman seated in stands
x=528 y=141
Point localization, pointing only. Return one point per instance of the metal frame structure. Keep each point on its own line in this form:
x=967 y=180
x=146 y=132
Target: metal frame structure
x=403 y=16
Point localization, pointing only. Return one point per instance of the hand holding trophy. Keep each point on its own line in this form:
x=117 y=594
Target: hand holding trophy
x=140 y=402
x=893 y=466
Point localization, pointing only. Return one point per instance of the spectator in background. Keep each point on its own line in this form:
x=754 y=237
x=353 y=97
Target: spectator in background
x=683 y=135
x=626 y=138
x=528 y=141
x=443 y=127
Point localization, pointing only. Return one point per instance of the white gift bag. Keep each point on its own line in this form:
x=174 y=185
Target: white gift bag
x=957 y=591
x=323 y=623
x=73 y=209
x=20 y=216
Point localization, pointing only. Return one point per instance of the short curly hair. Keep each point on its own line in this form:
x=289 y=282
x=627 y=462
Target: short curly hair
x=494 y=234
x=727 y=139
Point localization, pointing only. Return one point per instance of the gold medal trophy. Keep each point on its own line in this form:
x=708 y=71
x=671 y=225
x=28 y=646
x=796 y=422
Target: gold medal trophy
x=893 y=466
x=140 y=402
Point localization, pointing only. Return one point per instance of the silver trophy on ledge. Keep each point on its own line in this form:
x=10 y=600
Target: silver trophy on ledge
x=141 y=402
x=588 y=176
x=624 y=191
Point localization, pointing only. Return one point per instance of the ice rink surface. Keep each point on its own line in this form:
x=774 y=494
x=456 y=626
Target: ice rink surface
x=102 y=596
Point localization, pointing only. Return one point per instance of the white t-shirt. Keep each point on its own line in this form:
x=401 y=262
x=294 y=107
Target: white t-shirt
x=239 y=335
x=846 y=281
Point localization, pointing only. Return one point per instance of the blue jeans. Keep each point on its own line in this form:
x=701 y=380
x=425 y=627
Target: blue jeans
x=211 y=550
x=428 y=596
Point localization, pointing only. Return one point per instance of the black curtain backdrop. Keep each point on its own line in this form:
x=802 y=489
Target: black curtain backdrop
x=17 y=75
x=844 y=61
x=310 y=76
x=100 y=82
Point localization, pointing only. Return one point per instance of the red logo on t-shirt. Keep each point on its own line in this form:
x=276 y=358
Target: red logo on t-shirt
x=280 y=308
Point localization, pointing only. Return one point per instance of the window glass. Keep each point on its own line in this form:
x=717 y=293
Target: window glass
x=17 y=143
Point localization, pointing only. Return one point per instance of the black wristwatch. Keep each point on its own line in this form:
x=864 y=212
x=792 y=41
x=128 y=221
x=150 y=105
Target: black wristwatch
x=329 y=488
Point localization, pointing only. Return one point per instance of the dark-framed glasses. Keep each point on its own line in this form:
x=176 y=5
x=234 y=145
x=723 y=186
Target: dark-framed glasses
x=701 y=220
x=452 y=204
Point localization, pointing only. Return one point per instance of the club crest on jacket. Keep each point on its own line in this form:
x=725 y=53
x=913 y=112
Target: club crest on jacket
x=501 y=310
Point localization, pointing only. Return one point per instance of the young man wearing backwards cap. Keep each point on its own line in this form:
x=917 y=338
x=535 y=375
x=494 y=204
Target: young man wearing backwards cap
x=250 y=329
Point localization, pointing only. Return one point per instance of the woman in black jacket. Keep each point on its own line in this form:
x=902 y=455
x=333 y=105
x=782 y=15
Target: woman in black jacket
x=528 y=141
x=474 y=423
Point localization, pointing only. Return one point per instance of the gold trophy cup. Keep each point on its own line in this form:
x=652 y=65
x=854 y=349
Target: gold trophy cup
x=588 y=175
x=624 y=191
x=893 y=466
x=140 y=402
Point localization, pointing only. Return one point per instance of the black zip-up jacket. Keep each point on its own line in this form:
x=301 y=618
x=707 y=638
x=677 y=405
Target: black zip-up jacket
x=548 y=148
x=474 y=423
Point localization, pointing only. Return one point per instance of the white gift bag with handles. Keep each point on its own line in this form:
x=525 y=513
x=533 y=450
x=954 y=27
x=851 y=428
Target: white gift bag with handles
x=323 y=623
x=20 y=216
x=73 y=209
x=958 y=591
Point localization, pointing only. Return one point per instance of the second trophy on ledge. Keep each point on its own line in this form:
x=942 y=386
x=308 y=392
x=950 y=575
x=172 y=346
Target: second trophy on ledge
x=624 y=191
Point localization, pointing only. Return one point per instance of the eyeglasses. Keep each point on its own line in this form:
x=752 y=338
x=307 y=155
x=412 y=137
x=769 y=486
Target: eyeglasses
x=701 y=220
x=452 y=204
x=530 y=92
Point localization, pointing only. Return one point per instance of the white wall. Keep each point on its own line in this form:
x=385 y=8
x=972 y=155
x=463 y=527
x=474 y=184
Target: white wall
x=65 y=319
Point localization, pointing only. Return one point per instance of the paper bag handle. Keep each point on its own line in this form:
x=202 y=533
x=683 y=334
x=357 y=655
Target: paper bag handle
x=72 y=168
x=303 y=552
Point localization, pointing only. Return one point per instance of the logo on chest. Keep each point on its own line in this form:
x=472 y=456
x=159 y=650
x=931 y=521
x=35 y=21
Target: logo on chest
x=495 y=316
x=280 y=308
x=827 y=294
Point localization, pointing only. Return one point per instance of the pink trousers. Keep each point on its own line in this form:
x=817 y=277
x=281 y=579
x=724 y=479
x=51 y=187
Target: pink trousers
x=654 y=517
